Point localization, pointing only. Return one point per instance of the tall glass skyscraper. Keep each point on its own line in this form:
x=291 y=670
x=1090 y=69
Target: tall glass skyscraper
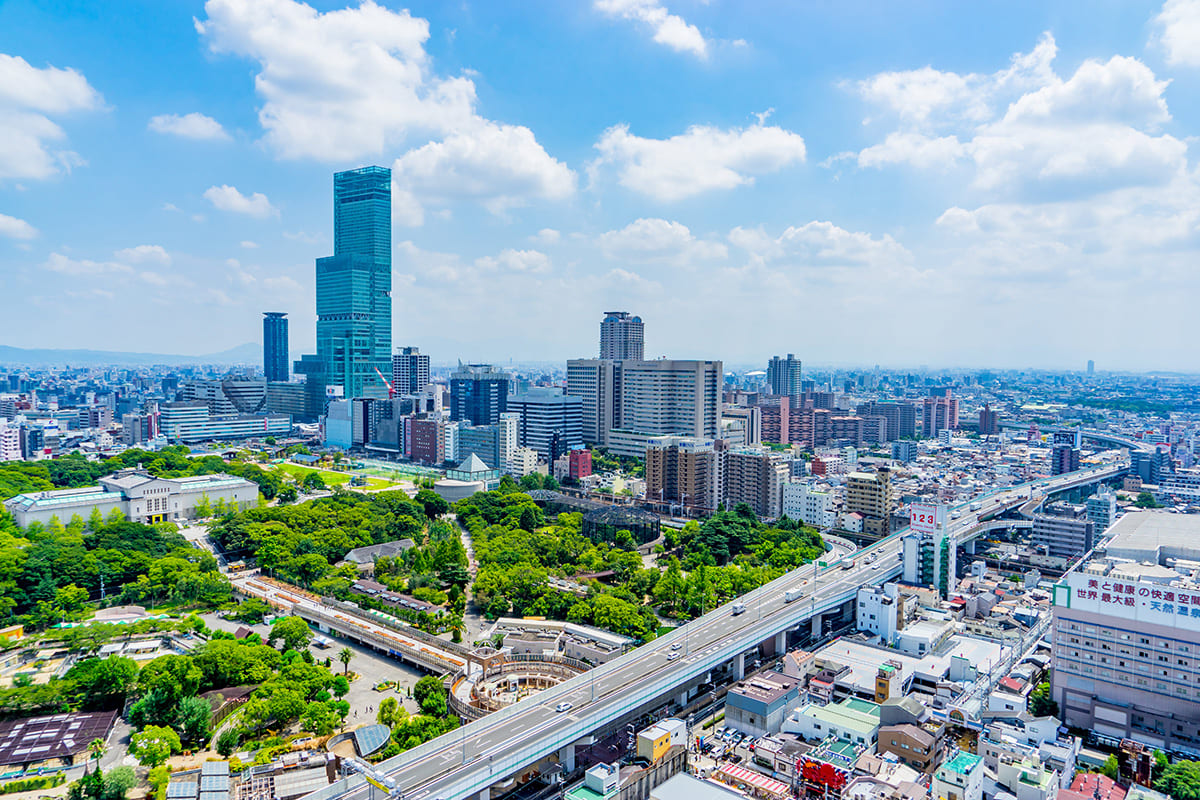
x=354 y=289
x=275 y=345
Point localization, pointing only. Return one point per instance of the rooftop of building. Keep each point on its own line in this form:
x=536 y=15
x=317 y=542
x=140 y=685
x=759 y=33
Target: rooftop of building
x=863 y=659
x=1097 y=787
x=764 y=689
x=368 y=554
x=57 y=736
x=852 y=714
x=686 y=787
x=962 y=763
x=1155 y=535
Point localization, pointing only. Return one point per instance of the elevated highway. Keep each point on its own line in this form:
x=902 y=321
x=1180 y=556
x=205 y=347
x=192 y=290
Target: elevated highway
x=466 y=762
x=1095 y=435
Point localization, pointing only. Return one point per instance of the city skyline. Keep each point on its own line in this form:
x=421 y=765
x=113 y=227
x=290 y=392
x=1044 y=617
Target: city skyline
x=914 y=181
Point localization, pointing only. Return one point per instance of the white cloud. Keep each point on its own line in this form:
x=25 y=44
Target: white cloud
x=228 y=198
x=340 y=85
x=1179 y=32
x=659 y=240
x=669 y=29
x=546 y=236
x=928 y=96
x=702 y=159
x=523 y=261
x=283 y=284
x=822 y=244
x=57 y=262
x=15 y=228
x=249 y=245
x=27 y=134
x=144 y=254
x=1029 y=133
x=917 y=94
x=910 y=147
x=188 y=126
x=500 y=166
x=357 y=82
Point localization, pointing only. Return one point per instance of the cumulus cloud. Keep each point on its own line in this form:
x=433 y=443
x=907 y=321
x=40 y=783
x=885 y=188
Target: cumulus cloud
x=500 y=166
x=144 y=254
x=188 y=126
x=1027 y=132
x=64 y=265
x=523 y=261
x=228 y=198
x=821 y=244
x=701 y=159
x=28 y=137
x=651 y=240
x=929 y=96
x=546 y=236
x=910 y=147
x=1179 y=32
x=338 y=85
x=353 y=83
x=668 y=29
x=14 y=228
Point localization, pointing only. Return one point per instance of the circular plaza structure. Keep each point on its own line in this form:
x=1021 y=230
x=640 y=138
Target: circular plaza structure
x=495 y=679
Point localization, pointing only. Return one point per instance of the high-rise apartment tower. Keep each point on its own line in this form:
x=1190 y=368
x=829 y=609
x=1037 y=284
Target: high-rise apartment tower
x=783 y=376
x=621 y=336
x=410 y=371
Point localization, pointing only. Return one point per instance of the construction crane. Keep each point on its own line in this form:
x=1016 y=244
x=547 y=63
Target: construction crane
x=391 y=389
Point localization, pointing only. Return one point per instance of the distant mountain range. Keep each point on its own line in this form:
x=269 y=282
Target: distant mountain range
x=249 y=353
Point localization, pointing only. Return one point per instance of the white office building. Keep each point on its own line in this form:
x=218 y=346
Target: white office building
x=595 y=382
x=878 y=611
x=667 y=398
x=812 y=506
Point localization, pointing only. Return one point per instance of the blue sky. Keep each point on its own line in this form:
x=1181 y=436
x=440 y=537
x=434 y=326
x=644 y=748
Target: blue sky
x=1003 y=184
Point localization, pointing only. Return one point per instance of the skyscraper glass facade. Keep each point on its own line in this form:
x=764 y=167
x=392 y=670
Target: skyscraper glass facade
x=354 y=285
x=275 y=345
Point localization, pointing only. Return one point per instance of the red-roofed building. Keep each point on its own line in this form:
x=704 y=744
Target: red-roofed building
x=1093 y=786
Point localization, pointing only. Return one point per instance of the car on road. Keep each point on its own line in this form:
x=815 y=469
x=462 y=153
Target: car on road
x=672 y=656
x=676 y=646
x=564 y=706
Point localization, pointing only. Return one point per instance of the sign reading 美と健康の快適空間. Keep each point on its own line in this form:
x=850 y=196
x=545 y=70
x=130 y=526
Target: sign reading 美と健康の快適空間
x=1132 y=600
x=926 y=517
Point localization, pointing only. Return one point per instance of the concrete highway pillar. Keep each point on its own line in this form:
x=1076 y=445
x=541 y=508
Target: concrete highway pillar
x=566 y=757
x=682 y=699
x=739 y=666
x=816 y=626
x=780 y=643
x=484 y=794
x=970 y=547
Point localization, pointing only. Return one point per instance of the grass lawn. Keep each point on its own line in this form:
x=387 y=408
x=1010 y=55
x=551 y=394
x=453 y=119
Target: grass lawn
x=332 y=478
x=298 y=473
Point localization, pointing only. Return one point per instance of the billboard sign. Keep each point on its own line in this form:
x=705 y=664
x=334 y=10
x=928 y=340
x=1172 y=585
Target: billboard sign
x=926 y=517
x=1136 y=601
